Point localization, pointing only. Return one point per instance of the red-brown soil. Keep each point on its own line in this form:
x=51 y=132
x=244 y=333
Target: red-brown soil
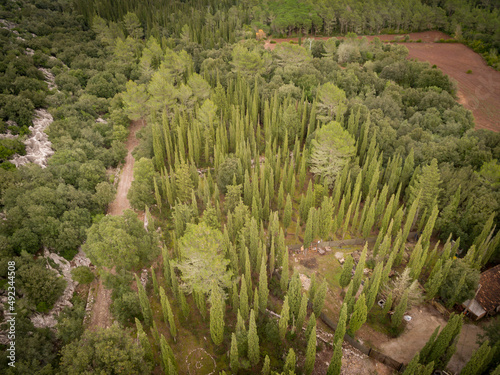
x=478 y=91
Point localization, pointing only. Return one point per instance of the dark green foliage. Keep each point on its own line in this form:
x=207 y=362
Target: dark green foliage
x=122 y=353
x=228 y=170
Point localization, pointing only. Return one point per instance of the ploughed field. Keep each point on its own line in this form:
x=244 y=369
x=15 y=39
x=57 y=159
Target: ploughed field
x=478 y=90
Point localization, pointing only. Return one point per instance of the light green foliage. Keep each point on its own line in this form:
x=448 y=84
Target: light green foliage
x=266 y=369
x=168 y=315
x=476 y=361
x=263 y=288
x=332 y=148
x=284 y=318
x=299 y=322
x=338 y=338
x=358 y=274
x=359 y=315
x=310 y=353
x=290 y=362
x=287 y=216
x=233 y=356
x=144 y=301
x=244 y=307
x=294 y=293
x=332 y=102
x=141 y=191
x=336 y=361
x=202 y=259
x=428 y=184
x=399 y=311
x=121 y=353
x=319 y=298
x=120 y=241
x=346 y=275
x=143 y=340
x=183 y=182
x=284 y=272
x=253 y=341
x=82 y=274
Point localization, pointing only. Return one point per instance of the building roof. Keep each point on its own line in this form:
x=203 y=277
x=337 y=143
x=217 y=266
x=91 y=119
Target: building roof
x=474 y=307
x=489 y=293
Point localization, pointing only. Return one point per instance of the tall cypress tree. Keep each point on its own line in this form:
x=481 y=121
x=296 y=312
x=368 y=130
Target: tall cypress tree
x=359 y=315
x=310 y=353
x=358 y=274
x=336 y=361
x=244 y=307
x=346 y=275
x=168 y=315
x=284 y=318
x=290 y=362
x=253 y=341
x=144 y=302
x=287 y=215
x=374 y=286
x=263 y=288
x=234 y=361
x=284 y=273
x=400 y=310
x=144 y=341
x=319 y=298
x=341 y=326
x=477 y=360
x=216 y=315
x=302 y=313
x=266 y=368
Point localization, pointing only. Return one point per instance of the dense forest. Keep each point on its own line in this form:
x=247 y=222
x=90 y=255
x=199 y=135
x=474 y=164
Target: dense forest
x=243 y=152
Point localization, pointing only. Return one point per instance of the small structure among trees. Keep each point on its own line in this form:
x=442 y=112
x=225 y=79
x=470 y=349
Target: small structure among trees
x=487 y=299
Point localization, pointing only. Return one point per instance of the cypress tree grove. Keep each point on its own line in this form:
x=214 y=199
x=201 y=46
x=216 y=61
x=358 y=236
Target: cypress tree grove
x=284 y=272
x=263 y=288
x=216 y=315
x=311 y=324
x=374 y=286
x=253 y=341
x=413 y=366
x=358 y=274
x=287 y=215
x=294 y=293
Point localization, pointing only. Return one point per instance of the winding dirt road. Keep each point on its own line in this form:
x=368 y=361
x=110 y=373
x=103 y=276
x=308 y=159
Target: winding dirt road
x=101 y=315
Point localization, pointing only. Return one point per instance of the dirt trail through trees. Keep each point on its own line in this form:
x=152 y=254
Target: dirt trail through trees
x=101 y=315
x=478 y=90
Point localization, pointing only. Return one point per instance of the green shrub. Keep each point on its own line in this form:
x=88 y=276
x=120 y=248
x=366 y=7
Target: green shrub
x=469 y=71
x=82 y=274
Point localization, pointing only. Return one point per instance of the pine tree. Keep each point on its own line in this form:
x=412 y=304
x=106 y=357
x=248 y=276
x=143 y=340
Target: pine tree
x=346 y=275
x=233 y=354
x=253 y=341
x=144 y=341
x=319 y=298
x=341 y=326
x=168 y=315
x=302 y=313
x=244 y=306
x=284 y=318
x=399 y=311
x=359 y=315
x=216 y=315
x=290 y=362
x=476 y=361
x=266 y=369
x=336 y=362
x=310 y=353
x=287 y=215
x=144 y=302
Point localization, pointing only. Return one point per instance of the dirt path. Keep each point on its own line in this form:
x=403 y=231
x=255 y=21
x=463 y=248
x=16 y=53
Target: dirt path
x=101 y=315
x=478 y=91
x=121 y=202
x=424 y=321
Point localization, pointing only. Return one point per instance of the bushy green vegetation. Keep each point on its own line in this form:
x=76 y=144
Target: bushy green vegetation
x=336 y=139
